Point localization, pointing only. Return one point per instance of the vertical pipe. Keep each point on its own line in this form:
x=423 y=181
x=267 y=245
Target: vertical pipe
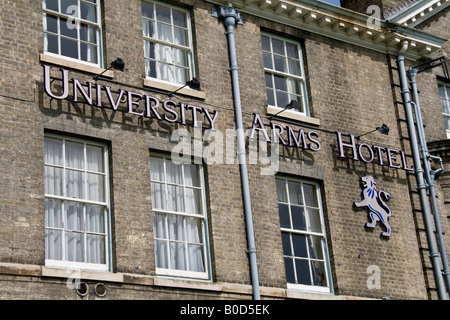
x=231 y=16
x=434 y=254
x=412 y=73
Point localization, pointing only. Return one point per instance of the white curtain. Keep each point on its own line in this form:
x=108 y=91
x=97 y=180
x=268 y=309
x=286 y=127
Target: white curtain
x=67 y=231
x=178 y=238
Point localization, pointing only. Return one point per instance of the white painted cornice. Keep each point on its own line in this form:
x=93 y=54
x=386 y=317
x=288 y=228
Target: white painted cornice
x=341 y=24
x=419 y=12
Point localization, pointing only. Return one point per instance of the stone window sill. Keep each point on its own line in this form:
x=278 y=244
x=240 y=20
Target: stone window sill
x=152 y=83
x=60 y=61
x=292 y=115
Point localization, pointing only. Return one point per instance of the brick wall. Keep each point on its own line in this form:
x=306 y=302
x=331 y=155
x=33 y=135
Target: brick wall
x=342 y=94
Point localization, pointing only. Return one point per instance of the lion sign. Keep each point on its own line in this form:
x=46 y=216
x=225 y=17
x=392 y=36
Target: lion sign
x=376 y=202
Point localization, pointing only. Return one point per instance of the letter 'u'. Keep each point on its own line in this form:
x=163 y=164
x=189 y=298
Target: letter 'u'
x=47 y=83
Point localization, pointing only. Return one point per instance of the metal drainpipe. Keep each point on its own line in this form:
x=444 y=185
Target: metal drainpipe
x=230 y=18
x=429 y=174
x=421 y=186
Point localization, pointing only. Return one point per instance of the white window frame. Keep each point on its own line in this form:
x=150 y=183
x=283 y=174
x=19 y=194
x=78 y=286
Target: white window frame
x=301 y=78
x=322 y=235
x=445 y=98
x=170 y=272
x=106 y=204
x=188 y=49
x=76 y=20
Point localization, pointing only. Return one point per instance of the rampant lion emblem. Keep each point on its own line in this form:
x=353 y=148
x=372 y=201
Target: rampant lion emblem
x=376 y=202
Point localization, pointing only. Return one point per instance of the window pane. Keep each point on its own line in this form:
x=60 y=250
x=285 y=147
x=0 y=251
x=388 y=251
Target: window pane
x=196 y=259
x=74 y=155
x=88 y=53
x=289 y=267
x=302 y=271
x=88 y=33
x=445 y=107
x=286 y=240
x=194 y=230
x=51 y=43
x=179 y=57
x=280 y=63
x=53 y=181
x=74 y=184
x=149 y=50
x=283 y=210
x=280 y=83
x=159 y=226
x=165 y=72
x=161 y=254
x=314 y=224
x=149 y=28
x=68 y=28
x=447 y=123
x=282 y=99
x=53 y=151
x=315 y=247
x=192 y=201
x=163 y=14
x=53 y=216
x=177 y=256
x=88 y=12
x=190 y=172
x=96 y=249
x=269 y=81
x=267 y=57
x=174 y=172
x=295 y=193
x=176 y=227
x=165 y=32
x=51 y=5
x=70 y=7
x=51 y=23
x=157 y=169
x=94 y=158
x=278 y=46
x=318 y=273
x=180 y=37
x=310 y=195
x=74 y=246
x=147 y=10
x=74 y=216
x=69 y=48
x=179 y=19
x=299 y=244
x=158 y=196
x=175 y=198
x=270 y=97
x=53 y=244
x=281 y=191
x=298 y=218
x=95 y=219
x=294 y=67
x=95 y=187
x=292 y=51
x=265 y=43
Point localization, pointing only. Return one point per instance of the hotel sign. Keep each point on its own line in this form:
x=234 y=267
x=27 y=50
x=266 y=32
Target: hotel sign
x=171 y=111
x=143 y=105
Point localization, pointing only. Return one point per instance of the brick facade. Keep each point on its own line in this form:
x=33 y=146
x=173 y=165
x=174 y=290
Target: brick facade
x=350 y=89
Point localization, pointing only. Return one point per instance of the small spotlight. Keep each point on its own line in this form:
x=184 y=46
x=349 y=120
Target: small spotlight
x=117 y=64
x=384 y=129
x=293 y=105
x=193 y=84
